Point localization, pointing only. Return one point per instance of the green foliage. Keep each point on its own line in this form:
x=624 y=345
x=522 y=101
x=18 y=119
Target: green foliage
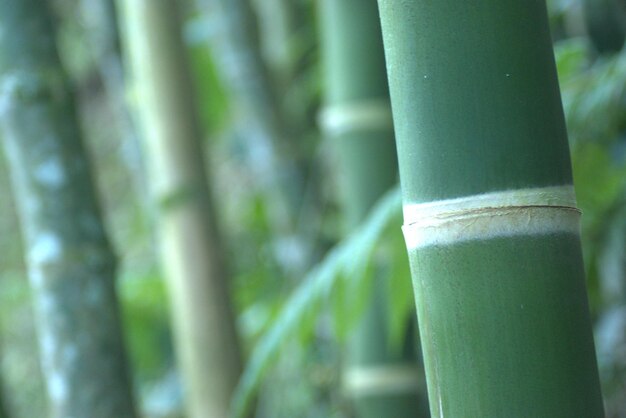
x=401 y=301
x=272 y=322
x=351 y=295
x=212 y=101
x=594 y=93
x=600 y=186
x=145 y=308
x=340 y=262
x=594 y=98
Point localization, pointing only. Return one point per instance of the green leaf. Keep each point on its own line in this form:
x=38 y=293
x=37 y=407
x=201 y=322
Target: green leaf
x=593 y=95
x=351 y=295
x=144 y=302
x=401 y=303
x=572 y=57
x=308 y=297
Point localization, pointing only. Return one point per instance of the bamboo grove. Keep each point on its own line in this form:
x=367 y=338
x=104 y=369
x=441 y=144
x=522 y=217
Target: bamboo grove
x=312 y=208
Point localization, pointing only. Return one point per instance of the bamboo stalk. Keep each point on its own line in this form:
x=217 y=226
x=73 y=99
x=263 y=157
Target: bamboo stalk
x=70 y=263
x=197 y=275
x=606 y=24
x=4 y=406
x=236 y=49
x=102 y=30
x=490 y=217
x=381 y=381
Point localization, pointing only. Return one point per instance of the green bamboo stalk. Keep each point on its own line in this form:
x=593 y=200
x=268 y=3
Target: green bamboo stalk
x=203 y=318
x=606 y=24
x=490 y=218
x=4 y=407
x=277 y=19
x=70 y=263
x=381 y=381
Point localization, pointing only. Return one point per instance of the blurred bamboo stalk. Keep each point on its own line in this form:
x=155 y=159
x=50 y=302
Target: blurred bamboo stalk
x=491 y=223
x=276 y=21
x=4 y=409
x=237 y=51
x=70 y=263
x=382 y=381
x=101 y=21
x=606 y=24
x=192 y=249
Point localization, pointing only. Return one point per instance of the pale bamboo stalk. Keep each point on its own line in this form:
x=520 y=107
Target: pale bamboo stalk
x=192 y=256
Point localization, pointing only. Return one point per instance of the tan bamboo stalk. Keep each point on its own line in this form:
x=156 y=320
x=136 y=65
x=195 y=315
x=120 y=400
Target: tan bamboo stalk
x=192 y=256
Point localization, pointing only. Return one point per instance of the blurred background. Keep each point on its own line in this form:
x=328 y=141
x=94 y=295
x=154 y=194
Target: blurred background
x=299 y=280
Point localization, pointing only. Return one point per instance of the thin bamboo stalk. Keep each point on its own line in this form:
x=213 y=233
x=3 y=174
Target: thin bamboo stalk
x=197 y=275
x=70 y=263
x=102 y=30
x=490 y=218
x=381 y=381
x=236 y=50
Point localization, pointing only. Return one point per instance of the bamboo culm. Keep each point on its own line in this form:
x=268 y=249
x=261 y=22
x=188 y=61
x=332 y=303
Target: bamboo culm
x=490 y=213
x=70 y=263
x=191 y=246
x=381 y=380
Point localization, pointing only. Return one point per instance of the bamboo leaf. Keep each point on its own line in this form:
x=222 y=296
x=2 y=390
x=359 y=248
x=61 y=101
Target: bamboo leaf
x=351 y=296
x=307 y=298
x=399 y=291
x=593 y=94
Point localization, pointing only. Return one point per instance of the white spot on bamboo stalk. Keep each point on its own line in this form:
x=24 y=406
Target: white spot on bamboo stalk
x=47 y=344
x=55 y=380
x=440 y=407
x=9 y=83
x=46 y=248
x=506 y=213
x=37 y=278
x=58 y=386
x=50 y=173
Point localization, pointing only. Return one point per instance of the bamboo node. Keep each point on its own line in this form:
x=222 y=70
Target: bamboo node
x=356 y=116
x=380 y=380
x=535 y=211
